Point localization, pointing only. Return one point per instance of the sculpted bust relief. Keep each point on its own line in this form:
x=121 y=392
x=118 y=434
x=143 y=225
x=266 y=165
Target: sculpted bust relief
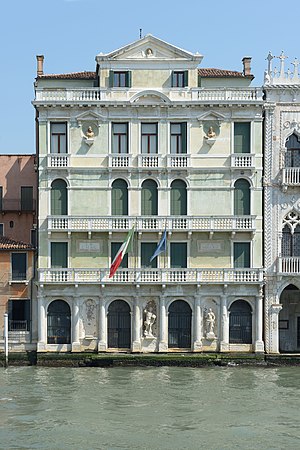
x=89 y=133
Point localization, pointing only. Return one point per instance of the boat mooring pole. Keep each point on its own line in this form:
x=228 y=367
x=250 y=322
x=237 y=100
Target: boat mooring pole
x=6 y=339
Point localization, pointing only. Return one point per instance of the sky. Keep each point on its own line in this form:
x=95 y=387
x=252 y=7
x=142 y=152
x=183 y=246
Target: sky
x=71 y=32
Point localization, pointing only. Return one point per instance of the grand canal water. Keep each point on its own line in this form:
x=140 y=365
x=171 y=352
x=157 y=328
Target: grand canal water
x=150 y=408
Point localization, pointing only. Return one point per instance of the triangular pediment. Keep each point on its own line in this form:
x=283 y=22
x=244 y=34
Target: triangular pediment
x=210 y=116
x=90 y=116
x=149 y=48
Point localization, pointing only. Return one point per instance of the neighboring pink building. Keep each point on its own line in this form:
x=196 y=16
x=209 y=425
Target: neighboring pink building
x=18 y=189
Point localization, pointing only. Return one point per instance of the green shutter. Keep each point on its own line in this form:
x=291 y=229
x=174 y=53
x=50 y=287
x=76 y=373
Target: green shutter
x=241 y=255
x=119 y=197
x=242 y=137
x=114 y=250
x=185 y=78
x=147 y=250
x=111 y=79
x=149 y=198
x=173 y=79
x=59 y=255
x=59 y=198
x=128 y=79
x=1 y=198
x=241 y=198
x=184 y=137
x=178 y=198
x=26 y=198
x=179 y=255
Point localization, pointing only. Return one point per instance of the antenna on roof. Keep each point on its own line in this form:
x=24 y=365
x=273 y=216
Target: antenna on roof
x=141 y=33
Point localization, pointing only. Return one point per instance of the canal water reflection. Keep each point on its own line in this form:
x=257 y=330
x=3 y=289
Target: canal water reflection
x=150 y=408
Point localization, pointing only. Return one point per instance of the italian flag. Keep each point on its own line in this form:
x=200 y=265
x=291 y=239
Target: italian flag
x=121 y=253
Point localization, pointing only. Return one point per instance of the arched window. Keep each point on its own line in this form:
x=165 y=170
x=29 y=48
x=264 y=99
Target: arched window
x=59 y=323
x=179 y=324
x=59 y=198
x=240 y=323
x=290 y=244
x=178 y=198
x=292 y=157
x=119 y=198
x=119 y=324
x=149 y=198
x=241 y=198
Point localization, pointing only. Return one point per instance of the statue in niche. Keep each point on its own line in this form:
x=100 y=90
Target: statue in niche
x=90 y=311
x=150 y=318
x=211 y=133
x=210 y=323
x=89 y=133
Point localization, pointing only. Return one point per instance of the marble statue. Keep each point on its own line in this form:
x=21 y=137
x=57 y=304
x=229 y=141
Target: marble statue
x=150 y=318
x=211 y=133
x=210 y=321
x=89 y=133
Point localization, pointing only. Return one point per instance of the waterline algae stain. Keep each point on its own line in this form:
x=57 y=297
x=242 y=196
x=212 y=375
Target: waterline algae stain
x=149 y=408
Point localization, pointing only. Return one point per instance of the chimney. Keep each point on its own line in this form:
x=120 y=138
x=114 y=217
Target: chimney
x=40 y=65
x=246 y=63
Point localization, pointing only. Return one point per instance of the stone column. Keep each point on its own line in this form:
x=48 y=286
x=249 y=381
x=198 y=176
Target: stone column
x=163 y=329
x=75 y=326
x=275 y=309
x=136 y=332
x=102 y=343
x=224 y=344
x=259 y=345
x=197 y=345
x=42 y=326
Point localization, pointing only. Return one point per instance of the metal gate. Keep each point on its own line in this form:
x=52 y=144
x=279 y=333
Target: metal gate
x=119 y=324
x=59 y=323
x=180 y=320
x=298 y=332
x=240 y=323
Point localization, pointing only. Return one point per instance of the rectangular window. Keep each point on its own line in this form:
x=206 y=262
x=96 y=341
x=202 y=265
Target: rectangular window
x=242 y=137
x=26 y=198
x=1 y=198
x=180 y=78
x=19 y=314
x=241 y=255
x=33 y=237
x=114 y=250
x=1 y=229
x=149 y=138
x=58 y=138
x=120 y=137
x=18 y=266
x=59 y=255
x=120 y=78
x=178 y=137
x=178 y=255
x=147 y=250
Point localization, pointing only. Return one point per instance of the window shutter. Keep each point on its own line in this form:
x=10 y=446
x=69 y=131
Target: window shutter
x=178 y=198
x=1 y=198
x=186 y=78
x=128 y=79
x=59 y=198
x=173 y=79
x=119 y=197
x=242 y=137
x=147 y=250
x=26 y=198
x=59 y=255
x=184 y=137
x=149 y=198
x=111 y=78
x=241 y=255
x=178 y=255
x=114 y=250
x=241 y=198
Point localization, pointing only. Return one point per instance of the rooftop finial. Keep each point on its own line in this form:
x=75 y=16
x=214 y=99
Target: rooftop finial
x=141 y=33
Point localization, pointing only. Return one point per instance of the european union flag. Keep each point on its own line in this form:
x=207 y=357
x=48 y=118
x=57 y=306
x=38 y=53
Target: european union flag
x=161 y=247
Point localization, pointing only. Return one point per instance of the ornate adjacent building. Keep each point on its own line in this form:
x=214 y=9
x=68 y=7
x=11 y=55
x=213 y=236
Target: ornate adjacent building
x=282 y=206
x=151 y=141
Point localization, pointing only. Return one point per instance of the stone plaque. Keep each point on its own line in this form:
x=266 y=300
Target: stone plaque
x=210 y=246
x=89 y=246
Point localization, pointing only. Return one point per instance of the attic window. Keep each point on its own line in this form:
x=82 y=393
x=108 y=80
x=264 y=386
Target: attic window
x=120 y=78
x=180 y=78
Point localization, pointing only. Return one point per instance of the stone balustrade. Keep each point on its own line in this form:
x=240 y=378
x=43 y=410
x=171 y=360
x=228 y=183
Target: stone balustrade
x=289 y=265
x=152 y=223
x=153 y=276
x=242 y=160
x=291 y=176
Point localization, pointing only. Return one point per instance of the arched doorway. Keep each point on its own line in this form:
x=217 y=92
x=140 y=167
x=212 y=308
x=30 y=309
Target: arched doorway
x=119 y=324
x=240 y=323
x=179 y=324
x=178 y=198
x=289 y=320
x=59 y=198
x=59 y=323
x=241 y=198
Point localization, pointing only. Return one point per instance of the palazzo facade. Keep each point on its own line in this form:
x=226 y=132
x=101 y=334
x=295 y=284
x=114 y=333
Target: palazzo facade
x=150 y=140
x=282 y=206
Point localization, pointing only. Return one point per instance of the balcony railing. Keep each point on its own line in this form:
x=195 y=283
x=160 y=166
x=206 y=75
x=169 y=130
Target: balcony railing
x=58 y=160
x=149 y=161
x=10 y=205
x=153 y=276
x=178 y=161
x=291 y=176
x=18 y=325
x=242 y=160
x=119 y=161
x=152 y=223
x=96 y=95
x=289 y=265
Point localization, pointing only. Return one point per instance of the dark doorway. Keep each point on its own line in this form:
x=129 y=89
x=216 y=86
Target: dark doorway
x=240 y=323
x=119 y=325
x=59 y=323
x=180 y=320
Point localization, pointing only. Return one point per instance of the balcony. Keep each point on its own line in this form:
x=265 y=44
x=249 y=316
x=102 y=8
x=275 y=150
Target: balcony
x=119 y=161
x=58 y=160
x=178 y=161
x=94 y=96
x=291 y=176
x=150 y=161
x=150 y=276
x=289 y=265
x=242 y=161
x=152 y=223
x=16 y=205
